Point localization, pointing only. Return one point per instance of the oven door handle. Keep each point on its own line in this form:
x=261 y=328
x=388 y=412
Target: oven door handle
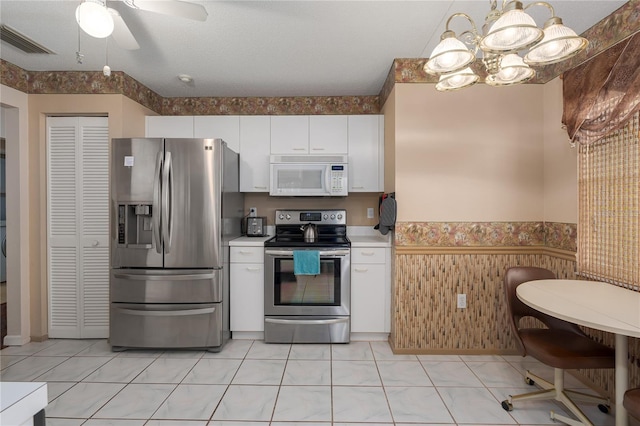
x=323 y=253
x=307 y=321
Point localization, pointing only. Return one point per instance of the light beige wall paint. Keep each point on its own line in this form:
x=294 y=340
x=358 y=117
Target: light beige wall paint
x=126 y=118
x=470 y=155
x=16 y=131
x=560 y=161
x=389 y=111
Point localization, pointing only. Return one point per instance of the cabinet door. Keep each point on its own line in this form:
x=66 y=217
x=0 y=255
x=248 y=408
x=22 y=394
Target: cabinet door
x=225 y=127
x=169 y=126
x=78 y=226
x=328 y=134
x=366 y=154
x=290 y=134
x=368 y=307
x=255 y=139
x=247 y=296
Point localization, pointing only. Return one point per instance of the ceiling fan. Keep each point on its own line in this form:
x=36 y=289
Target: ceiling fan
x=98 y=20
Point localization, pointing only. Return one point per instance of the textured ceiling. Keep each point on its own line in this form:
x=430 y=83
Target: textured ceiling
x=261 y=48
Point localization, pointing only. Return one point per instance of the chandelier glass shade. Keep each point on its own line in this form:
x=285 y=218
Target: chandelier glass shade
x=94 y=18
x=506 y=33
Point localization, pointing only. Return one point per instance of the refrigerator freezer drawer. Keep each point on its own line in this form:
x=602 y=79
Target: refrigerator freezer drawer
x=166 y=286
x=166 y=326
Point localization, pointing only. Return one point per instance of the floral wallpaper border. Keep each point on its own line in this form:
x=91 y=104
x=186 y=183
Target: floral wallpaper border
x=487 y=234
x=619 y=25
x=616 y=27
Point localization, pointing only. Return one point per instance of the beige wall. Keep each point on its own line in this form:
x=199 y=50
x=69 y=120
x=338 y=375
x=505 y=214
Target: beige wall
x=15 y=106
x=469 y=155
x=560 y=161
x=126 y=118
x=389 y=111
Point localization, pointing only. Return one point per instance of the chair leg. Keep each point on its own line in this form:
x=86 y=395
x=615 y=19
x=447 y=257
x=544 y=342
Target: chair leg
x=556 y=391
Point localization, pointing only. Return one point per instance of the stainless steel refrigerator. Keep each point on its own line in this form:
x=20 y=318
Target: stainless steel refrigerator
x=175 y=204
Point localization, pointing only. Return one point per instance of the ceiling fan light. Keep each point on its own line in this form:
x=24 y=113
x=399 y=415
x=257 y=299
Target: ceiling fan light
x=94 y=19
x=559 y=43
x=449 y=55
x=457 y=80
x=513 y=70
x=514 y=30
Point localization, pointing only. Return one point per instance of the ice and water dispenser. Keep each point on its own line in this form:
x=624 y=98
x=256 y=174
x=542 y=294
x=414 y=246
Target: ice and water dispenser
x=135 y=225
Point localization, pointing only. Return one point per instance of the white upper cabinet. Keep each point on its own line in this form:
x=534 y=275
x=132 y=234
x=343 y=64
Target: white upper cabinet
x=366 y=153
x=179 y=126
x=225 y=127
x=290 y=134
x=328 y=134
x=254 y=153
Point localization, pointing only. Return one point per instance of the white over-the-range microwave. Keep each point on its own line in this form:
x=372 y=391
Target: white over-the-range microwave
x=309 y=175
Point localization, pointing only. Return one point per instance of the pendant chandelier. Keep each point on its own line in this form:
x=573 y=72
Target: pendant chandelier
x=506 y=34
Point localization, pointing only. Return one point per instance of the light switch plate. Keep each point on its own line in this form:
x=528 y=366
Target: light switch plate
x=370 y=213
x=462 y=301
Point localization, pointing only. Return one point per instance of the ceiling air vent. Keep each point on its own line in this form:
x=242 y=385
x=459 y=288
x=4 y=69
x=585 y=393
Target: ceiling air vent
x=14 y=38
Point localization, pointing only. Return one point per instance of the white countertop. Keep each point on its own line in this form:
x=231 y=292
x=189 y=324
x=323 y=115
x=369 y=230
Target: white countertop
x=360 y=236
x=21 y=401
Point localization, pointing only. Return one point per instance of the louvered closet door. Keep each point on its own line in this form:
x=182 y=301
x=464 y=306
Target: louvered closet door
x=78 y=224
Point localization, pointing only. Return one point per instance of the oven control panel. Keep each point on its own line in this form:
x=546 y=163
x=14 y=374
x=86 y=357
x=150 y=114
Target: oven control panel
x=319 y=217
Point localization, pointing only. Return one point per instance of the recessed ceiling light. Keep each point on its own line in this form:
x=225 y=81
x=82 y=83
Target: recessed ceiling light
x=185 y=78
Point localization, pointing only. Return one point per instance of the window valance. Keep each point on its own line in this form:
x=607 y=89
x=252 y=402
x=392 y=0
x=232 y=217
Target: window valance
x=601 y=94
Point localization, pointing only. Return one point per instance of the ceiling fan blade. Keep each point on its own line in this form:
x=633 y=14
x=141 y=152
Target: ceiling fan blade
x=121 y=33
x=172 y=8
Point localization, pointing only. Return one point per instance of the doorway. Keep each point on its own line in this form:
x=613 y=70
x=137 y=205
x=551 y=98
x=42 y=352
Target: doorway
x=3 y=243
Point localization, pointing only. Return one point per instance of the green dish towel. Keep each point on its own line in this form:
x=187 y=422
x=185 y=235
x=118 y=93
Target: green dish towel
x=306 y=262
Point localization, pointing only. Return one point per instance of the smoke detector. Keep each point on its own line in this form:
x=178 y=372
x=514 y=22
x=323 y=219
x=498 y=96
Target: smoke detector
x=185 y=78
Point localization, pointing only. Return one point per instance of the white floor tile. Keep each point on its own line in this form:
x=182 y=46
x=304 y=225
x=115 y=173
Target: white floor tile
x=231 y=349
x=166 y=370
x=119 y=370
x=28 y=349
x=528 y=412
x=382 y=352
x=64 y=422
x=74 y=369
x=355 y=351
x=261 y=350
x=30 y=368
x=179 y=423
x=360 y=404
x=403 y=373
x=191 y=402
x=474 y=405
x=247 y=403
x=135 y=401
x=355 y=373
x=306 y=372
x=66 y=347
x=212 y=371
x=55 y=389
x=496 y=374
x=99 y=348
x=7 y=360
x=439 y=358
x=450 y=373
x=310 y=351
x=260 y=372
x=417 y=404
x=82 y=400
x=303 y=404
x=112 y=422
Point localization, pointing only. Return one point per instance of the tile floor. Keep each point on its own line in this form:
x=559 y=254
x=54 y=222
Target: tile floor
x=253 y=383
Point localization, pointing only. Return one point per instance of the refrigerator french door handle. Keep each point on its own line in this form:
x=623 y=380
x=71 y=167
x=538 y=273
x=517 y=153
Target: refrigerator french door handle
x=167 y=193
x=155 y=207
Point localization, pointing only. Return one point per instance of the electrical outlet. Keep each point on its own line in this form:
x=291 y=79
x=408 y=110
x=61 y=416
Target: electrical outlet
x=462 y=301
x=370 y=213
x=253 y=212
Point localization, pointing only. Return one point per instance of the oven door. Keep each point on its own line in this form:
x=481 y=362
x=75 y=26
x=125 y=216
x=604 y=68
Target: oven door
x=326 y=294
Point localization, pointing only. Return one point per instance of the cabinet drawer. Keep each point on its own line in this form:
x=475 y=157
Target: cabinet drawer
x=367 y=255
x=247 y=254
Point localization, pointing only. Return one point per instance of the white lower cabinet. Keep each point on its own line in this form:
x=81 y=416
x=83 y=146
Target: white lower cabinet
x=247 y=289
x=370 y=290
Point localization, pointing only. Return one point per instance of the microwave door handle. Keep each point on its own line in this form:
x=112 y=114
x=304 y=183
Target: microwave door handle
x=155 y=207
x=327 y=179
x=167 y=202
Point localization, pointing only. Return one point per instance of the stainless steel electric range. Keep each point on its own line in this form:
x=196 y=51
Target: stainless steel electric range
x=301 y=306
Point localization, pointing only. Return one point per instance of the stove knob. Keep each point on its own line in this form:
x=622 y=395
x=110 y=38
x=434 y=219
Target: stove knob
x=333 y=216
x=281 y=216
x=326 y=216
x=288 y=217
x=339 y=216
